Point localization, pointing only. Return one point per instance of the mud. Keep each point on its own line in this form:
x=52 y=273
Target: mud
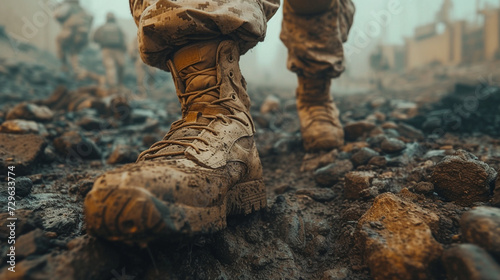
x=393 y=194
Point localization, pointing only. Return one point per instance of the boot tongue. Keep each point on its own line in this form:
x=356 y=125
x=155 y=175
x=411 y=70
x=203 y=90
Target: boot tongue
x=196 y=68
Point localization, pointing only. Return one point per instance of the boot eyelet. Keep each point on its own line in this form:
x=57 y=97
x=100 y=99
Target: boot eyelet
x=233 y=96
x=230 y=58
x=231 y=74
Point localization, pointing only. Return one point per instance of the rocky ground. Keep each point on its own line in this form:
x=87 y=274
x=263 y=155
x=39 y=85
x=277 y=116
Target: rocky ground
x=409 y=196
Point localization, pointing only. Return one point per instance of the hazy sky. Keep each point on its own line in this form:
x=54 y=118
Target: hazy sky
x=414 y=13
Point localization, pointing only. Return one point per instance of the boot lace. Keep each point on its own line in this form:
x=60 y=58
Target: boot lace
x=187 y=100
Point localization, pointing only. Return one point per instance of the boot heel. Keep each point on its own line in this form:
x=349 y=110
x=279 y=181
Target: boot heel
x=246 y=198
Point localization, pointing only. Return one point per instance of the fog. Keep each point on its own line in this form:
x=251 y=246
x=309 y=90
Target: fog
x=266 y=63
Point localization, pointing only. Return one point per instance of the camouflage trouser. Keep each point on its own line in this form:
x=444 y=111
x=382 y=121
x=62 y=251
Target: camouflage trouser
x=114 y=63
x=67 y=49
x=314 y=42
x=164 y=25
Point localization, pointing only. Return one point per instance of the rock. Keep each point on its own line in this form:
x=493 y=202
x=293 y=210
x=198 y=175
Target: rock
x=76 y=147
x=20 y=127
x=358 y=129
x=315 y=161
x=289 y=222
x=391 y=145
x=23 y=186
x=410 y=132
x=363 y=156
x=287 y=145
x=228 y=247
x=354 y=146
x=435 y=155
x=30 y=112
x=376 y=140
x=26 y=222
x=403 y=108
x=87 y=258
x=123 y=154
x=389 y=125
x=424 y=188
x=356 y=182
x=496 y=196
x=336 y=274
x=32 y=243
x=378 y=161
x=481 y=226
x=60 y=220
x=469 y=262
x=463 y=178
x=332 y=173
x=82 y=188
x=392 y=133
x=270 y=104
x=320 y=195
x=397 y=241
x=92 y=123
x=21 y=151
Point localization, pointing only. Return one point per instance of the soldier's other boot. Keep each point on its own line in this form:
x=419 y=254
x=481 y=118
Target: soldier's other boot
x=206 y=167
x=319 y=117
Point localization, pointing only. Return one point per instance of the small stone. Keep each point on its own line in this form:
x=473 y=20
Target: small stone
x=357 y=181
x=271 y=104
x=481 y=226
x=354 y=146
x=389 y=125
x=32 y=243
x=123 y=154
x=378 y=161
x=463 y=178
x=336 y=274
x=363 y=156
x=23 y=186
x=78 y=147
x=397 y=240
x=59 y=220
x=91 y=123
x=320 y=195
x=21 y=151
x=435 y=155
x=496 y=196
x=357 y=130
x=315 y=161
x=391 y=145
x=332 y=173
x=424 y=188
x=410 y=132
x=26 y=222
x=20 y=127
x=228 y=247
x=469 y=262
x=30 y=112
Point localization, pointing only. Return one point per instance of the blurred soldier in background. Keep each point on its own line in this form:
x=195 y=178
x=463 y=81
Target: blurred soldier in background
x=313 y=33
x=145 y=74
x=112 y=41
x=75 y=22
x=207 y=166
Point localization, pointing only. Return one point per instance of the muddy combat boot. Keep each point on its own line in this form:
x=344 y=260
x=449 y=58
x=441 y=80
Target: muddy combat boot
x=319 y=117
x=206 y=167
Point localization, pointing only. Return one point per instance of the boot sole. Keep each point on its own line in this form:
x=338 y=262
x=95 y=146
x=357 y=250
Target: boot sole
x=134 y=215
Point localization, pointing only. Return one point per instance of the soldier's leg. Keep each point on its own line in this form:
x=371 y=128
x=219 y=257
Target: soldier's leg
x=120 y=65
x=207 y=166
x=314 y=32
x=110 y=67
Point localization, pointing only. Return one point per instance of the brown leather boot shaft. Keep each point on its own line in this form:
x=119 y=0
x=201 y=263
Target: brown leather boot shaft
x=319 y=117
